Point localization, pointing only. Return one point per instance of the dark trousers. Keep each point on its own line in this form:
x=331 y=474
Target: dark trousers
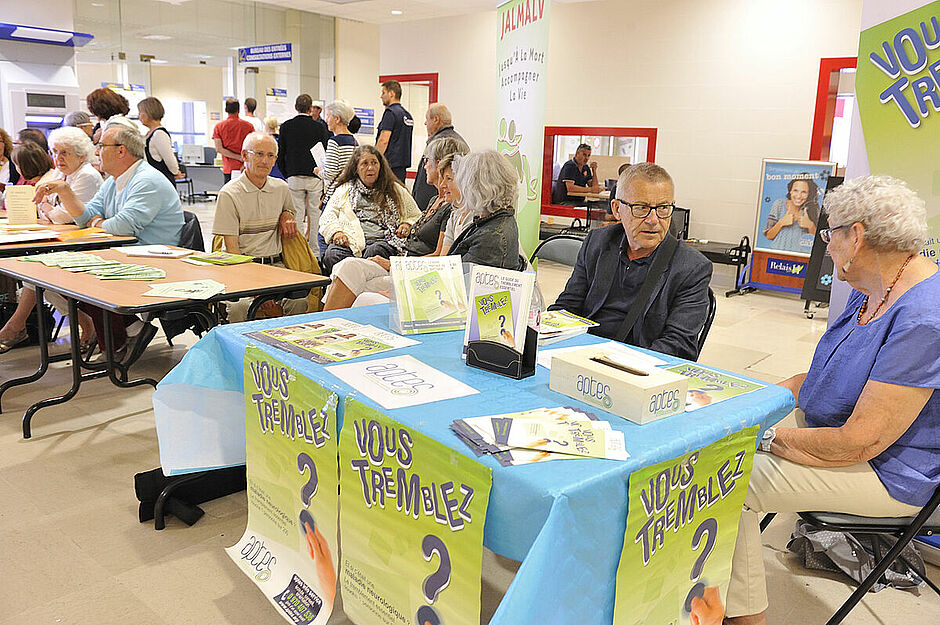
x=335 y=253
x=119 y=325
x=400 y=173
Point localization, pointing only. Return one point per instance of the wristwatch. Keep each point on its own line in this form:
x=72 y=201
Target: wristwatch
x=767 y=439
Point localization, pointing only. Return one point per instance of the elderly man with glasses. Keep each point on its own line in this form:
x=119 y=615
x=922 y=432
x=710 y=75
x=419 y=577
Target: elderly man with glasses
x=637 y=281
x=253 y=213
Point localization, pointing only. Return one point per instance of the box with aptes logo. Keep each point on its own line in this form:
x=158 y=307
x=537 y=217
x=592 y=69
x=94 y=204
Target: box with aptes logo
x=602 y=379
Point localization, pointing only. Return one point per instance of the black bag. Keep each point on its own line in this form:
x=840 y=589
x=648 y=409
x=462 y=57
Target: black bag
x=854 y=555
x=32 y=322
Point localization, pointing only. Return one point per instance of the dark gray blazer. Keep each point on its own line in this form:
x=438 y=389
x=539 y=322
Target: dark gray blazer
x=676 y=312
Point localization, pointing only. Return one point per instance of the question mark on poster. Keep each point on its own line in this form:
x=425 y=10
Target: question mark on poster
x=438 y=580
x=440 y=296
x=428 y=616
x=502 y=322
x=308 y=490
x=709 y=527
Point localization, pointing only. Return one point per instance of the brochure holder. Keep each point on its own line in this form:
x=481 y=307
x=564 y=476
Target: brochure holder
x=502 y=359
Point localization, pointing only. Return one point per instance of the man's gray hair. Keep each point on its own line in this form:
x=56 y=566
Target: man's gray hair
x=74 y=139
x=254 y=137
x=76 y=118
x=341 y=109
x=894 y=216
x=442 y=146
x=441 y=112
x=487 y=182
x=128 y=137
x=649 y=172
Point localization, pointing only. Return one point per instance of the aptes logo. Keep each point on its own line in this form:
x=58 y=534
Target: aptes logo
x=594 y=391
x=396 y=379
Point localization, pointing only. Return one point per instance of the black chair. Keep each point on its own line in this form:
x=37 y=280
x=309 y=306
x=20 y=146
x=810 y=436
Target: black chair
x=187 y=183
x=904 y=530
x=198 y=317
x=712 y=308
x=191 y=234
x=679 y=226
x=561 y=248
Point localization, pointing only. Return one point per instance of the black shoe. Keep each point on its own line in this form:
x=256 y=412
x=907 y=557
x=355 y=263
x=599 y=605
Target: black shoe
x=138 y=343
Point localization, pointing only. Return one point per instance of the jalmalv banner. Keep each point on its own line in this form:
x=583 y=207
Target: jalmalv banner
x=682 y=522
x=898 y=89
x=411 y=516
x=290 y=545
x=521 y=52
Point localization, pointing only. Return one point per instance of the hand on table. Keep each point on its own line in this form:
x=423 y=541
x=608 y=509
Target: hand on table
x=707 y=609
x=340 y=238
x=384 y=263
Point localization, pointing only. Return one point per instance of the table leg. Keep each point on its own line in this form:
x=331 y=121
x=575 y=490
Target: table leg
x=43 y=351
x=117 y=372
x=256 y=305
x=75 y=348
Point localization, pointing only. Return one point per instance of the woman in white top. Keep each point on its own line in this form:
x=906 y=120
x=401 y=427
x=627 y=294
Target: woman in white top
x=159 y=148
x=71 y=149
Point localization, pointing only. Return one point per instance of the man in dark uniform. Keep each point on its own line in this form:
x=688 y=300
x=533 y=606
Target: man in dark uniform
x=394 y=131
x=576 y=176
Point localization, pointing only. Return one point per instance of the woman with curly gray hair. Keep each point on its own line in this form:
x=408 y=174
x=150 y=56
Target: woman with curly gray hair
x=869 y=411
x=489 y=189
x=72 y=152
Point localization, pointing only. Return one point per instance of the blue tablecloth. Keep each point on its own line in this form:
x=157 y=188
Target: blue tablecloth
x=564 y=520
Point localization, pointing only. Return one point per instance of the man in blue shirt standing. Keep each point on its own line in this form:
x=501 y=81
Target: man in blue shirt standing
x=395 y=129
x=137 y=201
x=576 y=176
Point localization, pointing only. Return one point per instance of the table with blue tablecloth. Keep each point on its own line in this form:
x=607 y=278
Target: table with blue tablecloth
x=563 y=520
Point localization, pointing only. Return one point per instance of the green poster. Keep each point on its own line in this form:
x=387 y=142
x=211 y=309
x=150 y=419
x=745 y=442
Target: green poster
x=494 y=317
x=897 y=85
x=290 y=545
x=412 y=513
x=682 y=521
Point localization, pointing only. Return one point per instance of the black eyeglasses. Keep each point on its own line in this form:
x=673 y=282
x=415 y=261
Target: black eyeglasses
x=641 y=211
x=109 y=145
x=826 y=233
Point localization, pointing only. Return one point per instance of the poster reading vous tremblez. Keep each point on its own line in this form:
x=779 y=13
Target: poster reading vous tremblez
x=411 y=516
x=521 y=57
x=682 y=522
x=289 y=548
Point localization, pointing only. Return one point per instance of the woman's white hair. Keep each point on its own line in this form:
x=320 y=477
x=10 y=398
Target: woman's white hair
x=894 y=216
x=487 y=182
x=75 y=139
x=341 y=109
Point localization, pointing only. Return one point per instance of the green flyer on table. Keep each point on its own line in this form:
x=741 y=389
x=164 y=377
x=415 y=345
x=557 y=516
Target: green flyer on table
x=412 y=512
x=290 y=546
x=682 y=522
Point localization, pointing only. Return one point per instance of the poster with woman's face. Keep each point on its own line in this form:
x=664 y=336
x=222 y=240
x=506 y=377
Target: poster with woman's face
x=791 y=195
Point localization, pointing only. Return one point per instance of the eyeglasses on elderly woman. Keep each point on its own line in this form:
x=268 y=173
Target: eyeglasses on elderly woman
x=826 y=233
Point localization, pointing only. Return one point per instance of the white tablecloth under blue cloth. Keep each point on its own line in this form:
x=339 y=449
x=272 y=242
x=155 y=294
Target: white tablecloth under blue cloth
x=564 y=520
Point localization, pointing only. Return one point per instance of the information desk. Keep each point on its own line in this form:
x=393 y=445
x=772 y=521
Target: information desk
x=563 y=519
x=125 y=297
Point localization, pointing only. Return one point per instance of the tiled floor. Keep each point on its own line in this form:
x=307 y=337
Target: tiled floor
x=73 y=551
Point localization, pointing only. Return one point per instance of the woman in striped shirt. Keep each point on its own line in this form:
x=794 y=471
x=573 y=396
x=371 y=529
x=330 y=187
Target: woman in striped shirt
x=340 y=146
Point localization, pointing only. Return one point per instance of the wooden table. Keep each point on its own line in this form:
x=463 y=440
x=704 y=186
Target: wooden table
x=125 y=297
x=589 y=196
x=55 y=245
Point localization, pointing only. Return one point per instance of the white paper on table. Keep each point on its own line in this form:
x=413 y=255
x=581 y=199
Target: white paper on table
x=153 y=251
x=618 y=352
x=19 y=204
x=190 y=289
x=400 y=381
x=26 y=237
x=319 y=154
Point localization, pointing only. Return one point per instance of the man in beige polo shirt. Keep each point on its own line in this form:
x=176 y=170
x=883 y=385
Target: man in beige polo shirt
x=253 y=212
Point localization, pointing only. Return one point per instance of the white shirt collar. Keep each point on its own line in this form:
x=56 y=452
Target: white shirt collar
x=121 y=181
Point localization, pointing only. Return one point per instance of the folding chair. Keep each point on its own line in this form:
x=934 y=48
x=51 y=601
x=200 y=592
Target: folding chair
x=561 y=248
x=709 y=319
x=904 y=529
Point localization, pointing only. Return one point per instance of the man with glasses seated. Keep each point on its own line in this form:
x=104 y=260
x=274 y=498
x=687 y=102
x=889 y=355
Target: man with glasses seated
x=253 y=213
x=614 y=264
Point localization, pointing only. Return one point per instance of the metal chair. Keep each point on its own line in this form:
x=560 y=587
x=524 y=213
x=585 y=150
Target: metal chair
x=904 y=529
x=561 y=248
x=712 y=308
x=187 y=183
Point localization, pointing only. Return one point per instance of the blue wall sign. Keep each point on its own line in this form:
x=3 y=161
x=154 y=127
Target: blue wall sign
x=273 y=53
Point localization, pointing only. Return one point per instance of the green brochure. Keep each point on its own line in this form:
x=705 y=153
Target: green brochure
x=707 y=386
x=411 y=517
x=578 y=438
x=494 y=317
x=427 y=294
x=290 y=546
x=682 y=522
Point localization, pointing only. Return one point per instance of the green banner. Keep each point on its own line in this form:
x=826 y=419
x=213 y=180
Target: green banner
x=412 y=513
x=290 y=545
x=682 y=521
x=521 y=52
x=897 y=85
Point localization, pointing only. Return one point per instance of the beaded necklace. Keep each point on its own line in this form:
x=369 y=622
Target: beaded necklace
x=861 y=311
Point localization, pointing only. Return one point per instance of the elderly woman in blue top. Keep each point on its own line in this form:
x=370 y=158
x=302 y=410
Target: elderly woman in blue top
x=870 y=444
x=137 y=200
